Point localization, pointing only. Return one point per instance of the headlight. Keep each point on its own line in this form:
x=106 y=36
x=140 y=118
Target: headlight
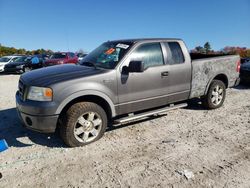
x=40 y=94
x=60 y=62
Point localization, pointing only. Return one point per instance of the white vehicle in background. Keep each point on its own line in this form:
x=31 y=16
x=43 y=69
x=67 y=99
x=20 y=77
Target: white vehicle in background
x=5 y=60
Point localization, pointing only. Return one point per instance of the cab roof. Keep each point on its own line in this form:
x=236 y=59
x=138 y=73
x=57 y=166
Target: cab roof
x=145 y=40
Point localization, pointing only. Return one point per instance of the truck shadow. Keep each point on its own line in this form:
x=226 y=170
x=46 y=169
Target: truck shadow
x=16 y=135
x=243 y=86
x=195 y=104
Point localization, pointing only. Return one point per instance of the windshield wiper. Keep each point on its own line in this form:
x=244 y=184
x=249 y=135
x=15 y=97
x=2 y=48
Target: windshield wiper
x=89 y=63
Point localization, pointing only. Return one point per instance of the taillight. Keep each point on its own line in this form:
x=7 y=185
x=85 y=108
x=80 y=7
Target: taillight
x=238 y=66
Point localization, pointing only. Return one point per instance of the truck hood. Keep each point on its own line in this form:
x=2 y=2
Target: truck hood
x=59 y=73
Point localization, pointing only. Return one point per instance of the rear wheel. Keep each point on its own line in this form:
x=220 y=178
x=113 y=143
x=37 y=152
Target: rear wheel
x=215 y=96
x=83 y=123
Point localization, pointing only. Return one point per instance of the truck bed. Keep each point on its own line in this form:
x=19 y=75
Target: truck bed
x=204 y=70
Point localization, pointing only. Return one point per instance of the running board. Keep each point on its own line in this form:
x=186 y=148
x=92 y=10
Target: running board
x=149 y=113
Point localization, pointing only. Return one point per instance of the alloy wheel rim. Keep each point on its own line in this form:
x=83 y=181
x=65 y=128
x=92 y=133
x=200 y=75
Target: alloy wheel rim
x=87 y=127
x=217 y=95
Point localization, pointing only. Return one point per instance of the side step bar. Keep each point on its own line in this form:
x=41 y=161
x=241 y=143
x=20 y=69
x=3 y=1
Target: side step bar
x=149 y=113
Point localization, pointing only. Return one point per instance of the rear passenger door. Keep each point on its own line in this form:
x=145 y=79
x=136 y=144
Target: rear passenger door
x=179 y=71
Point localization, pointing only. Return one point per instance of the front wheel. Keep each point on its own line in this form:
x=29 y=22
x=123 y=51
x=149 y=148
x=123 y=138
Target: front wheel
x=215 y=96
x=83 y=123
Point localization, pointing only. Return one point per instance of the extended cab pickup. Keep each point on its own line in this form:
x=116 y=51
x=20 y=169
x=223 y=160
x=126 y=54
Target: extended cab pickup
x=121 y=81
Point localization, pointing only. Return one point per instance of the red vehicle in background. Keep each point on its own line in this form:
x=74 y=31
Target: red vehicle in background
x=60 y=58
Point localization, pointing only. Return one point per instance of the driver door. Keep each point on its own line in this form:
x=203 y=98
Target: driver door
x=143 y=90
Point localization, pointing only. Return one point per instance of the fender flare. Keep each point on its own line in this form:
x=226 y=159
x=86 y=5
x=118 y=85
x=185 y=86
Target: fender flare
x=85 y=93
x=209 y=83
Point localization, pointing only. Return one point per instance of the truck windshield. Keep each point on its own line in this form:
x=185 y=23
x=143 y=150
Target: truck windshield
x=107 y=55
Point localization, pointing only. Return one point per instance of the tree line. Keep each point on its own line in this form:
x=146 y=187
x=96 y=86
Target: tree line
x=4 y=50
x=230 y=50
x=205 y=49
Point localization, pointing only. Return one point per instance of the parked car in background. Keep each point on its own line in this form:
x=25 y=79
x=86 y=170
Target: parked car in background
x=245 y=60
x=60 y=58
x=245 y=72
x=5 y=60
x=24 y=63
x=17 y=65
x=81 y=56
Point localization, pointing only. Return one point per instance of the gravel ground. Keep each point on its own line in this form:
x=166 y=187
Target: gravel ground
x=189 y=147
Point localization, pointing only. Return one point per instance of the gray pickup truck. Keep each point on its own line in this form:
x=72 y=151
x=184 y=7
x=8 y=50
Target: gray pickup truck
x=118 y=82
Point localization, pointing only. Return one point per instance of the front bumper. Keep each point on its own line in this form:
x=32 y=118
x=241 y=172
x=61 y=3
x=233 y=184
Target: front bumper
x=1 y=69
x=33 y=116
x=43 y=124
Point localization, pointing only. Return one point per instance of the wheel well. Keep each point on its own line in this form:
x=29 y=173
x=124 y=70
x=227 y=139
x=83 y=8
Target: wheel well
x=223 y=78
x=91 y=98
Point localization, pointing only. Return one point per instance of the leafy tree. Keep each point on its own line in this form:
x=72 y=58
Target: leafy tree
x=207 y=47
x=242 y=51
x=199 y=49
x=11 y=50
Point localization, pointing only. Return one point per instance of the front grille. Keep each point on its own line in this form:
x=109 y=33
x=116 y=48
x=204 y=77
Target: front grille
x=21 y=89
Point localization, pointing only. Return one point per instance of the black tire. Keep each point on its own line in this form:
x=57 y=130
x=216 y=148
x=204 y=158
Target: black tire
x=70 y=122
x=209 y=101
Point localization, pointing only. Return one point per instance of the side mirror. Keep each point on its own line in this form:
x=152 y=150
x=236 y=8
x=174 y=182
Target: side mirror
x=136 y=66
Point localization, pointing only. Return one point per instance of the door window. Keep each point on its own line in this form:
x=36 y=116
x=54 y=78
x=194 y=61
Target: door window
x=174 y=53
x=150 y=54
